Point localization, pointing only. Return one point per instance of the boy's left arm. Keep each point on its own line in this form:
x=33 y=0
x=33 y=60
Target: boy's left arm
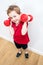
x=24 y=28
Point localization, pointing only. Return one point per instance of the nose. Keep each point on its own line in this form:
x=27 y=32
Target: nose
x=13 y=19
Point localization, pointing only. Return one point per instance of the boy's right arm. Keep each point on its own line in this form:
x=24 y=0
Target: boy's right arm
x=11 y=30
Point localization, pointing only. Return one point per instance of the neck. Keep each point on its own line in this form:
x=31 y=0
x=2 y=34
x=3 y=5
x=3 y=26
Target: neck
x=17 y=23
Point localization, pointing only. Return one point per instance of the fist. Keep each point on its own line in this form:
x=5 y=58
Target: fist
x=26 y=18
x=7 y=22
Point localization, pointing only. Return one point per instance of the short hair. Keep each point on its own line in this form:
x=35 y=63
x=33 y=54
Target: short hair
x=13 y=7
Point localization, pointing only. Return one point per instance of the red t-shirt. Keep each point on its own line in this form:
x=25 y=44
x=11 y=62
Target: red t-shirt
x=18 y=37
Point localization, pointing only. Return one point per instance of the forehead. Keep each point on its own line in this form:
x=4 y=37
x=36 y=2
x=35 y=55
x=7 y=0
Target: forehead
x=12 y=13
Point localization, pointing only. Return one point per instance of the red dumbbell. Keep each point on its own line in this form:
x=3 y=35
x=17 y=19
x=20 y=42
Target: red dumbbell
x=7 y=22
x=31 y=18
x=24 y=18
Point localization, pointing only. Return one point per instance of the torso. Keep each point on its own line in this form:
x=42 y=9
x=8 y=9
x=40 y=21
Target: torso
x=18 y=37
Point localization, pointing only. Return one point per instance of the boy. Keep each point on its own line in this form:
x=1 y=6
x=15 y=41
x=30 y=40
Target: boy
x=19 y=30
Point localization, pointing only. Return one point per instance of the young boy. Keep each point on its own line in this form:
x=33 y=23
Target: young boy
x=19 y=30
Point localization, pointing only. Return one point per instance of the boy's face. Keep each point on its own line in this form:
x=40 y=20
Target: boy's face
x=14 y=16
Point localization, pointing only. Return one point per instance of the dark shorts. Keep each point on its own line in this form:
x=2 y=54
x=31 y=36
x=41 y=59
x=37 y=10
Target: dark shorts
x=24 y=46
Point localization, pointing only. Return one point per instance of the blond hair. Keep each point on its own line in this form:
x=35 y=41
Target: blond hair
x=13 y=7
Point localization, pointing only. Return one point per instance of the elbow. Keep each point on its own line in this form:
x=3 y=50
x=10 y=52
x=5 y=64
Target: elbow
x=23 y=32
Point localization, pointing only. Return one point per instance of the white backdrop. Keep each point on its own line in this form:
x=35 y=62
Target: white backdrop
x=35 y=28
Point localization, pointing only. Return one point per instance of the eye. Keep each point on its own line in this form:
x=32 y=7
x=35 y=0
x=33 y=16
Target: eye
x=14 y=16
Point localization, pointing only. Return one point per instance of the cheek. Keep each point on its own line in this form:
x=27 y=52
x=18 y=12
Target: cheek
x=12 y=19
x=18 y=17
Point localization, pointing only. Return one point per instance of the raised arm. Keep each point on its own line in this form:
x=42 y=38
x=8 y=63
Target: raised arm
x=24 y=28
x=11 y=30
